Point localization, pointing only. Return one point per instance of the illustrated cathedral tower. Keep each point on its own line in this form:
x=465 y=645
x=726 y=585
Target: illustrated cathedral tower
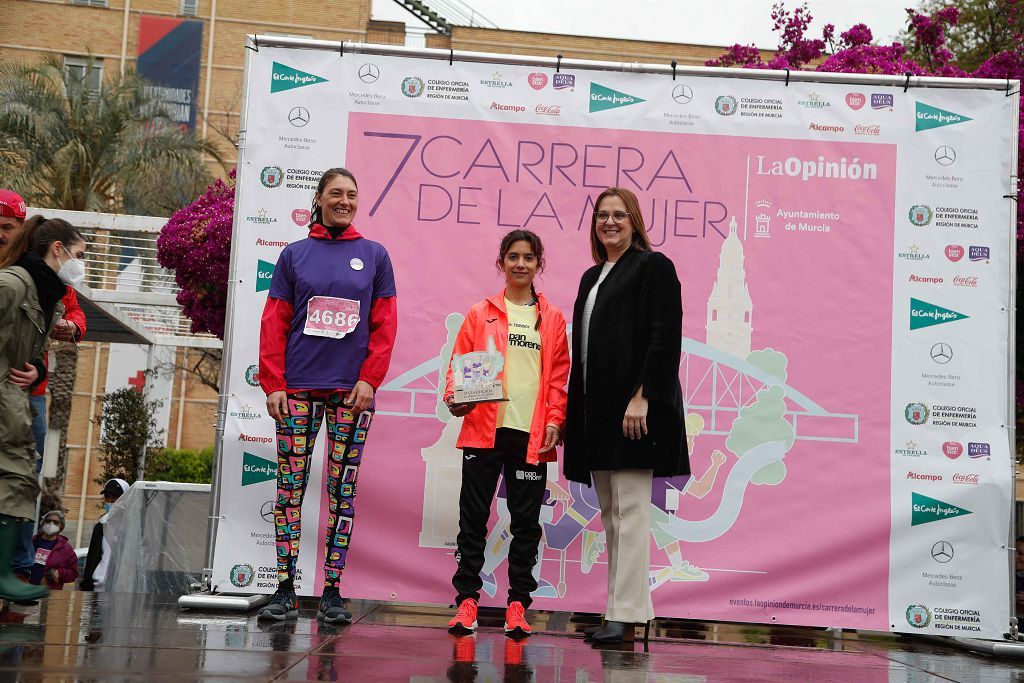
x=729 y=306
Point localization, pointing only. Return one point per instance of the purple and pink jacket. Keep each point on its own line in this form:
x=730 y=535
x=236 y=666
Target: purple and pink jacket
x=348 y=266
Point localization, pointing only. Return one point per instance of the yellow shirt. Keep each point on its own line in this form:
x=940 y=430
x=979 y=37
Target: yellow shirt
x=522 y=368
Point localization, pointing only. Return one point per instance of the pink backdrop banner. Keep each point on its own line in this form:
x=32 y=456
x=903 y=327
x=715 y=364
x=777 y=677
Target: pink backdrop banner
x=794 y=528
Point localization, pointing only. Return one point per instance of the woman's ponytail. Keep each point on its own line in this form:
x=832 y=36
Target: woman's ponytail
x=535 y=302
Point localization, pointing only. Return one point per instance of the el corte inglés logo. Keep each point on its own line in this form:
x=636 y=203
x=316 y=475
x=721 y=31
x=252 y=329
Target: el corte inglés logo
x=929 y=117
x=926 y=509
x=256 y=469
x=924 y=314
x=264 y=274
x=602 y=98
x=284 y=77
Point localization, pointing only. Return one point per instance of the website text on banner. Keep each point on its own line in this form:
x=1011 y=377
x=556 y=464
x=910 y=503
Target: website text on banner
x=843 y=254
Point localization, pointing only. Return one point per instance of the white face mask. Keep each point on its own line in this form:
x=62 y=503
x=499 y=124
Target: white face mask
x=72 y=271
x=50 y=529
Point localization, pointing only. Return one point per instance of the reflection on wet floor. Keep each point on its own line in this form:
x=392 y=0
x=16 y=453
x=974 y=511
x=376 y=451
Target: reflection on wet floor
x=119 y=637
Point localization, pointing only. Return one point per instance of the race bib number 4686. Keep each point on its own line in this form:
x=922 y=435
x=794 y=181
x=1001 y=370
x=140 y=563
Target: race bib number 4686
x=328 y=316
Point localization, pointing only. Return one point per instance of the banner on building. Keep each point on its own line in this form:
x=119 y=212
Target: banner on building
x=844 y=254
x=169 y=54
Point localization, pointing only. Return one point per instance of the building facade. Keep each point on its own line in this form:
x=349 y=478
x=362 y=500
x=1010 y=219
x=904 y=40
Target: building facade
x=205 y=39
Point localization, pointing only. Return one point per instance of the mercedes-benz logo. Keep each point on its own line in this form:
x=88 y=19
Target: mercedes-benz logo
x=942 y=552
x=941 y=353
x=298 y=116
x=267 y=511
x=369 y=73
x=682 y=93
x=945 y=155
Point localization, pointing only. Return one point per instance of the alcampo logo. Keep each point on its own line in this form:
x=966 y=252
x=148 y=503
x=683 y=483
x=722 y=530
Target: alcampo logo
x=926 y=509
x=256 y=469
x=924 y=314
x=602 y=98
x=929 y=117
x=285 y=77
x=264 y=273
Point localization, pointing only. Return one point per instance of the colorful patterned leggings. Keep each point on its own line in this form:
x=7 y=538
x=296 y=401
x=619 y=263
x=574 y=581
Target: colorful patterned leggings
x=346 y=439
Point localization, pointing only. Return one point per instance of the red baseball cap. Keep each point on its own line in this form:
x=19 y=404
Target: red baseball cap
x=12 y=205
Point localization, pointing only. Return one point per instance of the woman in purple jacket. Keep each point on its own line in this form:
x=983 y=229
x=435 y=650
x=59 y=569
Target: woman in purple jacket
x=55 y=561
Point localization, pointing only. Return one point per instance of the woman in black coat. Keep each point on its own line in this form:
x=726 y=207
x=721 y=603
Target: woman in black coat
x=624 y=423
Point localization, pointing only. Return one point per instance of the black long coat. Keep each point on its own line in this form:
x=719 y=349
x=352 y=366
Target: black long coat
x=636 y=330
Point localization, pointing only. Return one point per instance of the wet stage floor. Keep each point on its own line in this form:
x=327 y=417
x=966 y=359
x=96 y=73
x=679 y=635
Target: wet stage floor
x=75 y=636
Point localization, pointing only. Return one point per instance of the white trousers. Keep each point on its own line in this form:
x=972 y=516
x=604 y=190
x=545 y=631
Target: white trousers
x=625 y=498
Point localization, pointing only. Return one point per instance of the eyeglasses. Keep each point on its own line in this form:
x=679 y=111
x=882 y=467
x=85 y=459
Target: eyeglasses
x=615 y=217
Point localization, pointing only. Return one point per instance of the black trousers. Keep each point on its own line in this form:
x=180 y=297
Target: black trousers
x=524 y=487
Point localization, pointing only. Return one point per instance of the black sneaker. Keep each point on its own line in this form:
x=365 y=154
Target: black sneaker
x=282 y=606
x=332 y=608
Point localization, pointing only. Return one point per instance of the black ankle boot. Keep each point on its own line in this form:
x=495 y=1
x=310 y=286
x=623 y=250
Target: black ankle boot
x=617 y=632
x=614 y=632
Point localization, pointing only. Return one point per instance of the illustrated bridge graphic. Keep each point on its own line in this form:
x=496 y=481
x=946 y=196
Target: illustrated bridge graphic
x=717 y=385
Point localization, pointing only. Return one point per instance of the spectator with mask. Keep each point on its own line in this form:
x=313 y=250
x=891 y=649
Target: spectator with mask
x=55 y=561
x=30 y=294
x=13 y=244
x=95 y=574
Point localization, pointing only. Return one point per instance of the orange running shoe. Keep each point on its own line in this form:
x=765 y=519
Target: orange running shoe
x=515 y=620
x=464 y=620
x=513 y=654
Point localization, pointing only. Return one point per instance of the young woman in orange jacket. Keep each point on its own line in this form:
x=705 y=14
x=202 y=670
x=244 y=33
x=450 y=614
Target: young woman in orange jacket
x=518 y=435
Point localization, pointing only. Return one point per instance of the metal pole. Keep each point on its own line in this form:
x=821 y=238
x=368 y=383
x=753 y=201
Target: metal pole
x=140 y=469
x=209 y=64
x=226 y=357
x=636 y=67
x=97 y=350
x=1011 y=313
x=124 y=35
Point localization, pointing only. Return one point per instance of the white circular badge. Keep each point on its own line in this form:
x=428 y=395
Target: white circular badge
x=357 y=264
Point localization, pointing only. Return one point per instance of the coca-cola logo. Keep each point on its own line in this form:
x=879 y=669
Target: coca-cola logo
x=965 y=281
x=537 y=80
x=855 y=100
x=548 y=109
x=867 y=129
x=965 y=478
x=952 y=449
x=300 y=216
x=954 y=252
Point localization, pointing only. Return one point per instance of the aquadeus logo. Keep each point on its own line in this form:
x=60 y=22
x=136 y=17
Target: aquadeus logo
x=929 y=117
x=284 y=77
x=602 y=98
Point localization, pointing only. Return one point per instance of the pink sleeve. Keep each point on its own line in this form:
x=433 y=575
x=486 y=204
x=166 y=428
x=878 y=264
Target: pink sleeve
x=277 y=320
